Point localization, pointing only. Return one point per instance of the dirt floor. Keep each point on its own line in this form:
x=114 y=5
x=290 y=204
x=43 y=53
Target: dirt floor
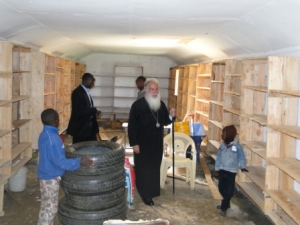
x=184 y=207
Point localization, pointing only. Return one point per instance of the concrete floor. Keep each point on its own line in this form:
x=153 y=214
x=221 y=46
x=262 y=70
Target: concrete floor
x=185 y=207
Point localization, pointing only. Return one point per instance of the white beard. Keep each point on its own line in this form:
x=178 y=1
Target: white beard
x=153 y=102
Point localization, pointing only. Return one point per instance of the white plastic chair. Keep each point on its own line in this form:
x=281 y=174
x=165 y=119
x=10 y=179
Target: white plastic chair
x=181 y=143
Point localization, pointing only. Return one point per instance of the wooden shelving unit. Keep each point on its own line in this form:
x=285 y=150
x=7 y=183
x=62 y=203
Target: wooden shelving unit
x=203 y=87
x=282 y=168
x=216 y=108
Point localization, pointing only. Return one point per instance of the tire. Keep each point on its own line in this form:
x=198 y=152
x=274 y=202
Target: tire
x=106 y=200
x=108 y=157
x=70 y=216
x=92 y=185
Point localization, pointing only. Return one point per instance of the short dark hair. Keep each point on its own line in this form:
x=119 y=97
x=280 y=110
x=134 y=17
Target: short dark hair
x=230 y=133
x=48 y=116
x=87 y=77
x=140 y=78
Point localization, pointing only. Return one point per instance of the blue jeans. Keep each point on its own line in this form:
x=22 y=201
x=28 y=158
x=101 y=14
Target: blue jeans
x=226 y=187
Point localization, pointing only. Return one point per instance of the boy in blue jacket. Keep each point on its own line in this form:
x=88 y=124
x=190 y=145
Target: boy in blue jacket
x=230 y=158
x=52 y=164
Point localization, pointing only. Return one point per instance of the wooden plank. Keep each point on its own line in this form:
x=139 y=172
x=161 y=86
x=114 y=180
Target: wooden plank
x=232 y=93
x=4 y=132
x=261 y=119
x=214 y=190
x=19 y=148
x=217 y=103
x=257 y=175
x=257 y=147
x=19 y=97
x=284 y=93
x=257 y=88
x=18 y=164
x=3 y=161
x=252 y=194
x=18 y=123
x=289 y=201
x=234 y=111
x=293 y=131
x=275 y=217
x=291 y=166
x=216 y=123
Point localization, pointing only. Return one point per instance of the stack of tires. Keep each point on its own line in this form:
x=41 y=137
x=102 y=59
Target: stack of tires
x=95 y=194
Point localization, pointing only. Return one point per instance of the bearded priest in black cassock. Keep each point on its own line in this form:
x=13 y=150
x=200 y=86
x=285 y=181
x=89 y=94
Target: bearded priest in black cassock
x=147 y=119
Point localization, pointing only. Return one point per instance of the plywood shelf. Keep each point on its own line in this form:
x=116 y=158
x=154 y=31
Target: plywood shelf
x=261 y=119
x=217 y=103
x=21 y=71
x=289 y=201
x=257 y=175
x=3 y=161
x=290 y=166
x=20 y=97
x=202 y=113
x=4 y=132
x=288 y=93
x=203 y=88
x=3 y=178
x=258 y=147
x=253 y=193
x=203 y=100
x=18 y=164
x=216 y=123
x=204 y=75
x=217 y=81
x=292 y=131
x=233 y=74
x=232 y=93
x=4 y=102
x=216 y=144
x=16 y=124
x=5 y=73
x=257 y=88
x=234 y=111
x=19 y=148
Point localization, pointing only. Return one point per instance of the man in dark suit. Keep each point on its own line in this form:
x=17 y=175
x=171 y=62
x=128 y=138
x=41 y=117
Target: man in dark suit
x=83 y=124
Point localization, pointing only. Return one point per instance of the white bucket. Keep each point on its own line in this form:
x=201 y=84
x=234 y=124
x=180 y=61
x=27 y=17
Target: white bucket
x=17 y=183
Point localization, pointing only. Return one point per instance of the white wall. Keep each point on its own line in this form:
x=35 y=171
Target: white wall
x=102 y=66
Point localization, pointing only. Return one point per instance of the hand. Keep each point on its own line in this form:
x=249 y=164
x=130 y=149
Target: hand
x=98 y=113
x=136 y=149
x=172 y=112
x=216 y=174
x=244 y=170
x=86 y=162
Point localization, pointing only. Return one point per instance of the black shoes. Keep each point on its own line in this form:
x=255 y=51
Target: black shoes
x=148 y=201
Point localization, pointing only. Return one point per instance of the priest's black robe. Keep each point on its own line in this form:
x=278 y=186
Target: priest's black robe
x=142 y=131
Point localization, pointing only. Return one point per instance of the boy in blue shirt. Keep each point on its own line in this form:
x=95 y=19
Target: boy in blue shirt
x=230 y=158
x=52 y=164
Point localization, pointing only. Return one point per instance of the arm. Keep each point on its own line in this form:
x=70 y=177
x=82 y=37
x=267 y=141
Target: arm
x=80 y=105
x=133 y=129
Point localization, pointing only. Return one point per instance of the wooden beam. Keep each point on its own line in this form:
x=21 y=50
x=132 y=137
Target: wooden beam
x=214 y=190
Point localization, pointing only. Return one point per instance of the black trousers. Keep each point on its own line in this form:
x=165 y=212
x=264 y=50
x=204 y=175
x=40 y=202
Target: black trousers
x=93 y=137
x=226 y=187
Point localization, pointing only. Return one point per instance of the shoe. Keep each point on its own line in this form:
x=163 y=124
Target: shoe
x=223 y=213
x=219 y=207
x=148 y=201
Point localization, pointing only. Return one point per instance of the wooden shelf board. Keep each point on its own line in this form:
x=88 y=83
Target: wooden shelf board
x=216 y=123
x=49 y=93
x=4 y=102
x=286 y=92
x=257 y=147
x=291 y=166
x=234 y=111
x=19 y=97
x=3 y=161
x=3 y=178
x=204 y=88
x=50 y=74
x=257 y=88
x=257 y=175
x=293 y=131
x=17 y=166
x=253 y=194
x=261 y=119
x=19 y=148
x=217 y=103
x=275 y=217
x=204 y=75
x=4 y=132
x=202 y=100
x=232 y=93
x=202 y=113
x=217 y=81
x=5 y=73
x=215 y=143
x=21 y=71
x=289 y=201
x=18 y=123
x=233 y=74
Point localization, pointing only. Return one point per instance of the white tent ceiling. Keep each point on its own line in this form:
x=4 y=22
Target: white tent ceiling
x=217 y=28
